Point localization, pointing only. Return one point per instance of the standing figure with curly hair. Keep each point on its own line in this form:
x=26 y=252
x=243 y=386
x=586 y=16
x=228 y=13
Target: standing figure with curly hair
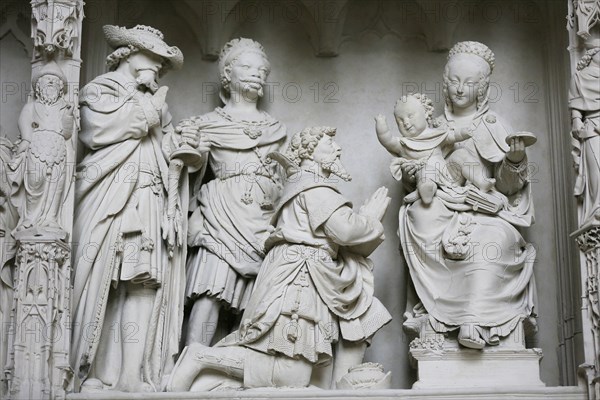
x=421 y=140
x=231 y=211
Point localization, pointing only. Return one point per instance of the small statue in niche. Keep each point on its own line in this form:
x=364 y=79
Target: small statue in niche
x=314 y=290
x=584 y=101
x=44 y=155
x=456 y=285
x=228 y=227
x=128 y=294
x=421 y=140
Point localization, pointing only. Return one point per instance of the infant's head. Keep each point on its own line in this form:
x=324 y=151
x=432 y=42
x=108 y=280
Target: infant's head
x=413 y=113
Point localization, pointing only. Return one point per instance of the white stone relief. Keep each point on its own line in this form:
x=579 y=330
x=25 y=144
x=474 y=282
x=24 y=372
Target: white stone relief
x=470 y=173
x=128 y=281
x=41 y=165
x=314 y=291
x=55 y=27
x=420 y=144
x=587 y=16
x=584 y=101
x=133 y=275
x=36 y=267
x=584 y=105
x=231 y=212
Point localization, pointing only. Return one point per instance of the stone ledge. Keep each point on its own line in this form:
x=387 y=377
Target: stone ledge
x=537 y=393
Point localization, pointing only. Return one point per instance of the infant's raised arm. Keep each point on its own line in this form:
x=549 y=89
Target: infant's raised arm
x=385 y=137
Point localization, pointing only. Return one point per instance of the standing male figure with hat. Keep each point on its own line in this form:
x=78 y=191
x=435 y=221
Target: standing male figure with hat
x=128 y=289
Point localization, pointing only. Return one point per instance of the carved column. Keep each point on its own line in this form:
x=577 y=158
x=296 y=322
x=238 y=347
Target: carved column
x=589 y=243
x=584 y=37
x=40 y=356
x=38 y=364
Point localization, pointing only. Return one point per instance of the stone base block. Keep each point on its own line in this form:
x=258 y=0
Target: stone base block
x=467 y=368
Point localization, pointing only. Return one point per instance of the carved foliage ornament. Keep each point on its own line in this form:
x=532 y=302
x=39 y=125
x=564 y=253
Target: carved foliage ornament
x=588 y=16
x=54 y=25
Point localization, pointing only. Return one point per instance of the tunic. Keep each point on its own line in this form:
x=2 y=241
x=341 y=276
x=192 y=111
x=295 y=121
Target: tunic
x=314 y=284
x=232 y=211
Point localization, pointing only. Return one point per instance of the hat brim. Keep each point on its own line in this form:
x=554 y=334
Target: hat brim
x=119 y=37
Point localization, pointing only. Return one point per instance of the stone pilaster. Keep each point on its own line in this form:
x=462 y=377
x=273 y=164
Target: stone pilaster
x=40 y=322
x=39 y=363
x=583 y=25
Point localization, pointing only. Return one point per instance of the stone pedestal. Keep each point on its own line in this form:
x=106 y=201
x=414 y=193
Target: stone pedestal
x=442 y=364
x=456 y=368
x=40 y=321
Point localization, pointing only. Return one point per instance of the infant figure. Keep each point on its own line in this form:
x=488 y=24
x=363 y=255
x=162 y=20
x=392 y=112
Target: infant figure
x=421 y=143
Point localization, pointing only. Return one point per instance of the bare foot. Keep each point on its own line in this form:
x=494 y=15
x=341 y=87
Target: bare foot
x=427 y=190
x=468 y=337
x=485 y=184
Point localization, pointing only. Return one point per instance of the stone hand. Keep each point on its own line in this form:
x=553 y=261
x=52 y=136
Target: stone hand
x=191 y=135
x=203 y=145
x=409 y=167
x=68 y=123
x=381 y=124
x=577 y=125
x=376 y=205
x=159 y=98
x=172 y=229
x=466 y=133
x=516 y=154
x=147 y=79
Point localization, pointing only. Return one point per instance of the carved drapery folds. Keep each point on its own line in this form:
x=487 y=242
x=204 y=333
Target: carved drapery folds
x=584 y=103
x=40 y=172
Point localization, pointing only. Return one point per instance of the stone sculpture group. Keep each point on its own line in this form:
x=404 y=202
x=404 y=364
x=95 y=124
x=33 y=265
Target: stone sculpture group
x=224 y=212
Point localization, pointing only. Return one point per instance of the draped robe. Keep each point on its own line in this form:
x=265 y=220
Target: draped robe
x=121 y=200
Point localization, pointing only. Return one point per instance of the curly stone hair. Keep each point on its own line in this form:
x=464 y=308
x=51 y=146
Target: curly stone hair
x=587 y=58
x=427 y=104
x=303 y=143
x=114 y=58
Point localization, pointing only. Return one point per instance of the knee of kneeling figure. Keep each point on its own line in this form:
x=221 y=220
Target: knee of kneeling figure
x=288 y=372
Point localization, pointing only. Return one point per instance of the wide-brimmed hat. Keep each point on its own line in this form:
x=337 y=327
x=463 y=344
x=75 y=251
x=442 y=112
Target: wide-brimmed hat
x=50 y=68
x=144 y=38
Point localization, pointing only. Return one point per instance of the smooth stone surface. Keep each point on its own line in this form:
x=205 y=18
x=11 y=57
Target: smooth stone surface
x=533 y=393
x=475 y=368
